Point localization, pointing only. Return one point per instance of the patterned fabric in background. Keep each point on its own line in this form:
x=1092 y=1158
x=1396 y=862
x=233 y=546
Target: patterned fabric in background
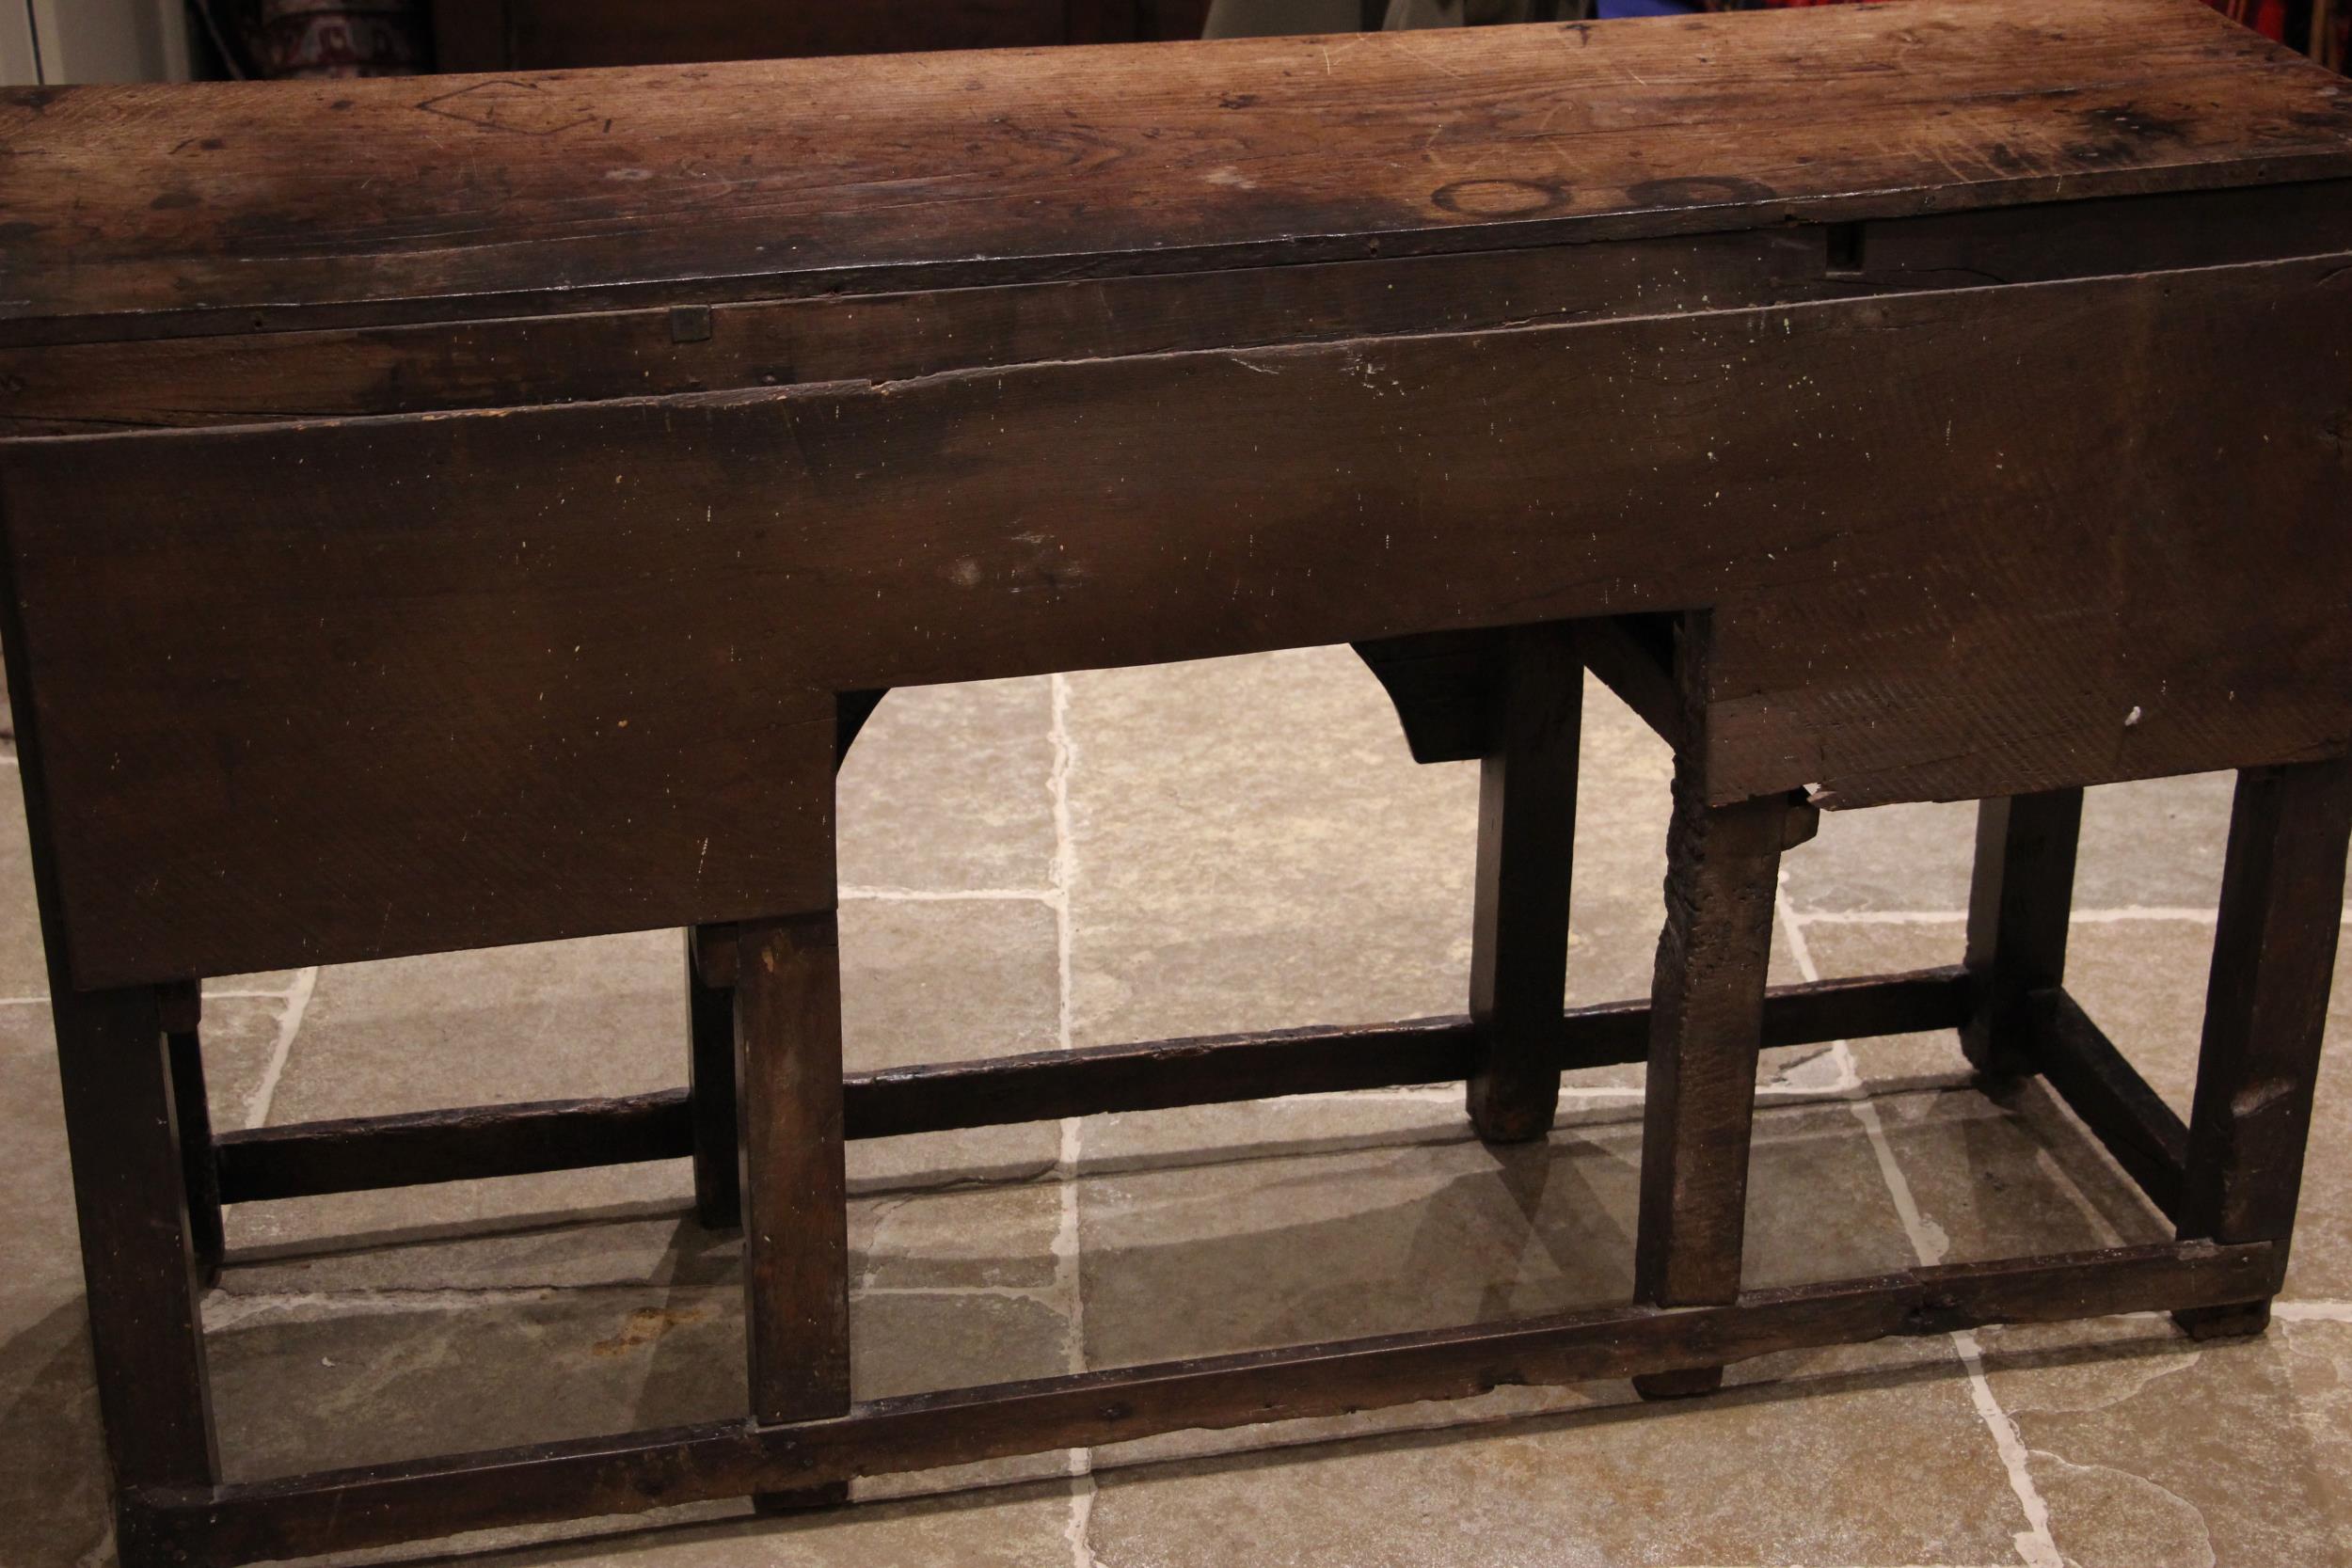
x=331 y=38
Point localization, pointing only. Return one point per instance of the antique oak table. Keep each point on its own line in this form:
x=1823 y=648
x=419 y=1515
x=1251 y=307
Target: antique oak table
x=443 y=513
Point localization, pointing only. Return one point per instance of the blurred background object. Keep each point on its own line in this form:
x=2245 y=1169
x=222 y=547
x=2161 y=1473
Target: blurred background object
x=121 y=40
x=524 y=35
x=93 y=40
x=322 y=37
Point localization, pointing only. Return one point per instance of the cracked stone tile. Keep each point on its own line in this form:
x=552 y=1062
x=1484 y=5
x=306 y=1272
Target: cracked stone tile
x=2154 y=1453
x=307 y=1383
x=1200 y=1259
x=38 y=1236
x=2152 y=843
x=332 y=1382
x=948 y=789
x=2013 y=1178
x=1745 y=1477
x=2143 y=981
x=1018 y=1526
x=921 y=982
x=997 y=1237
x=1229 y=877
x=982 y=1236
x=53 y=1462
x=1842 y=951
x=953 y=982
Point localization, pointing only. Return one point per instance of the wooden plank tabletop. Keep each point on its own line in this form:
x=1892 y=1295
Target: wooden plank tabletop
x=137 y=211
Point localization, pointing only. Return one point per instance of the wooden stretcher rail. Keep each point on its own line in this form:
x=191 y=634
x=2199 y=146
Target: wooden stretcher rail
x=2146 y=1136
x=369 y=1152
x=634 y=1472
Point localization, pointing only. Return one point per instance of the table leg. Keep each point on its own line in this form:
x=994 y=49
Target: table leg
x=711 y=1088
x=1520 y=930
x=139 y=1253
x=796 y=1242
x=1707 y=1006
x=2265 y=1012
x=199 y=1166
x=2019 y=902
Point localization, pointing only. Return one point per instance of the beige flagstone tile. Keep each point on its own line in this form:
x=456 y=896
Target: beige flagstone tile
x=1204 y=1258
x=948 y=789
x=2143 y=981
x=23 y=972
x=53 y=1463
x=1252 y=848
x=2154 y=1453
x=1255 y=849
x=921 y=982
x=320 y=1382
x=1868 y=1455
x=2154 y=842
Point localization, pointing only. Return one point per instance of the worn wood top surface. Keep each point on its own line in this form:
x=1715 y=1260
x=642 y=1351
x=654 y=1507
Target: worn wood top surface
x=144 y=210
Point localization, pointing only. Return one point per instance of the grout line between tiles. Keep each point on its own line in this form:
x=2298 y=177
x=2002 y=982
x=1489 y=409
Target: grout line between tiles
x=2316 y=1311
x=2192 y=914
x=1077 y=1530
x=297 y=1002
x=2035 y=1544
x=952 y=895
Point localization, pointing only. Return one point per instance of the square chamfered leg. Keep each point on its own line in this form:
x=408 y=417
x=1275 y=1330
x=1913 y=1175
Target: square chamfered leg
x=1519 y=923
x=2019 y=900
x=795 y=1189
x=1707 y=1016
x=180 y=1010
x=2265 y=1013
x=139 y=1252
x=710 y=1075
x=711 y=1089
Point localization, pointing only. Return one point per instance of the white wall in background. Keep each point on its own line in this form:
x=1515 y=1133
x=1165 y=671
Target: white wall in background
x=93 y=40
x=17 y=65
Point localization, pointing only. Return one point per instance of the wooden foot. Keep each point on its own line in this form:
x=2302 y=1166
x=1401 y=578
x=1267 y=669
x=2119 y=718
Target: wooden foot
x=796 y=1241
x=1692 y=1384
x=1520 y=932
x=2266 y=1010
x=802 y=1499
x=710 y=1075
x=2243 y=1321
x=1706 y=1010
x=2019 y=902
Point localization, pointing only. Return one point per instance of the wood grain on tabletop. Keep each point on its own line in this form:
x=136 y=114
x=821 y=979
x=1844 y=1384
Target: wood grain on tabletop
x=412 y=198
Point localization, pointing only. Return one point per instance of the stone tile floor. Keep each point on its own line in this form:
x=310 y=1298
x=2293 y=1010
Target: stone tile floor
x=1130 y=854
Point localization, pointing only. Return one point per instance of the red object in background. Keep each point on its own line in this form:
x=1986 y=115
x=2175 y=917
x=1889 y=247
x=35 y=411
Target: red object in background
x=334 y=38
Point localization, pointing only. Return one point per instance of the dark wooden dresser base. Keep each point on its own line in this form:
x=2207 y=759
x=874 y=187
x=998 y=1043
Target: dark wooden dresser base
x=442 y=515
